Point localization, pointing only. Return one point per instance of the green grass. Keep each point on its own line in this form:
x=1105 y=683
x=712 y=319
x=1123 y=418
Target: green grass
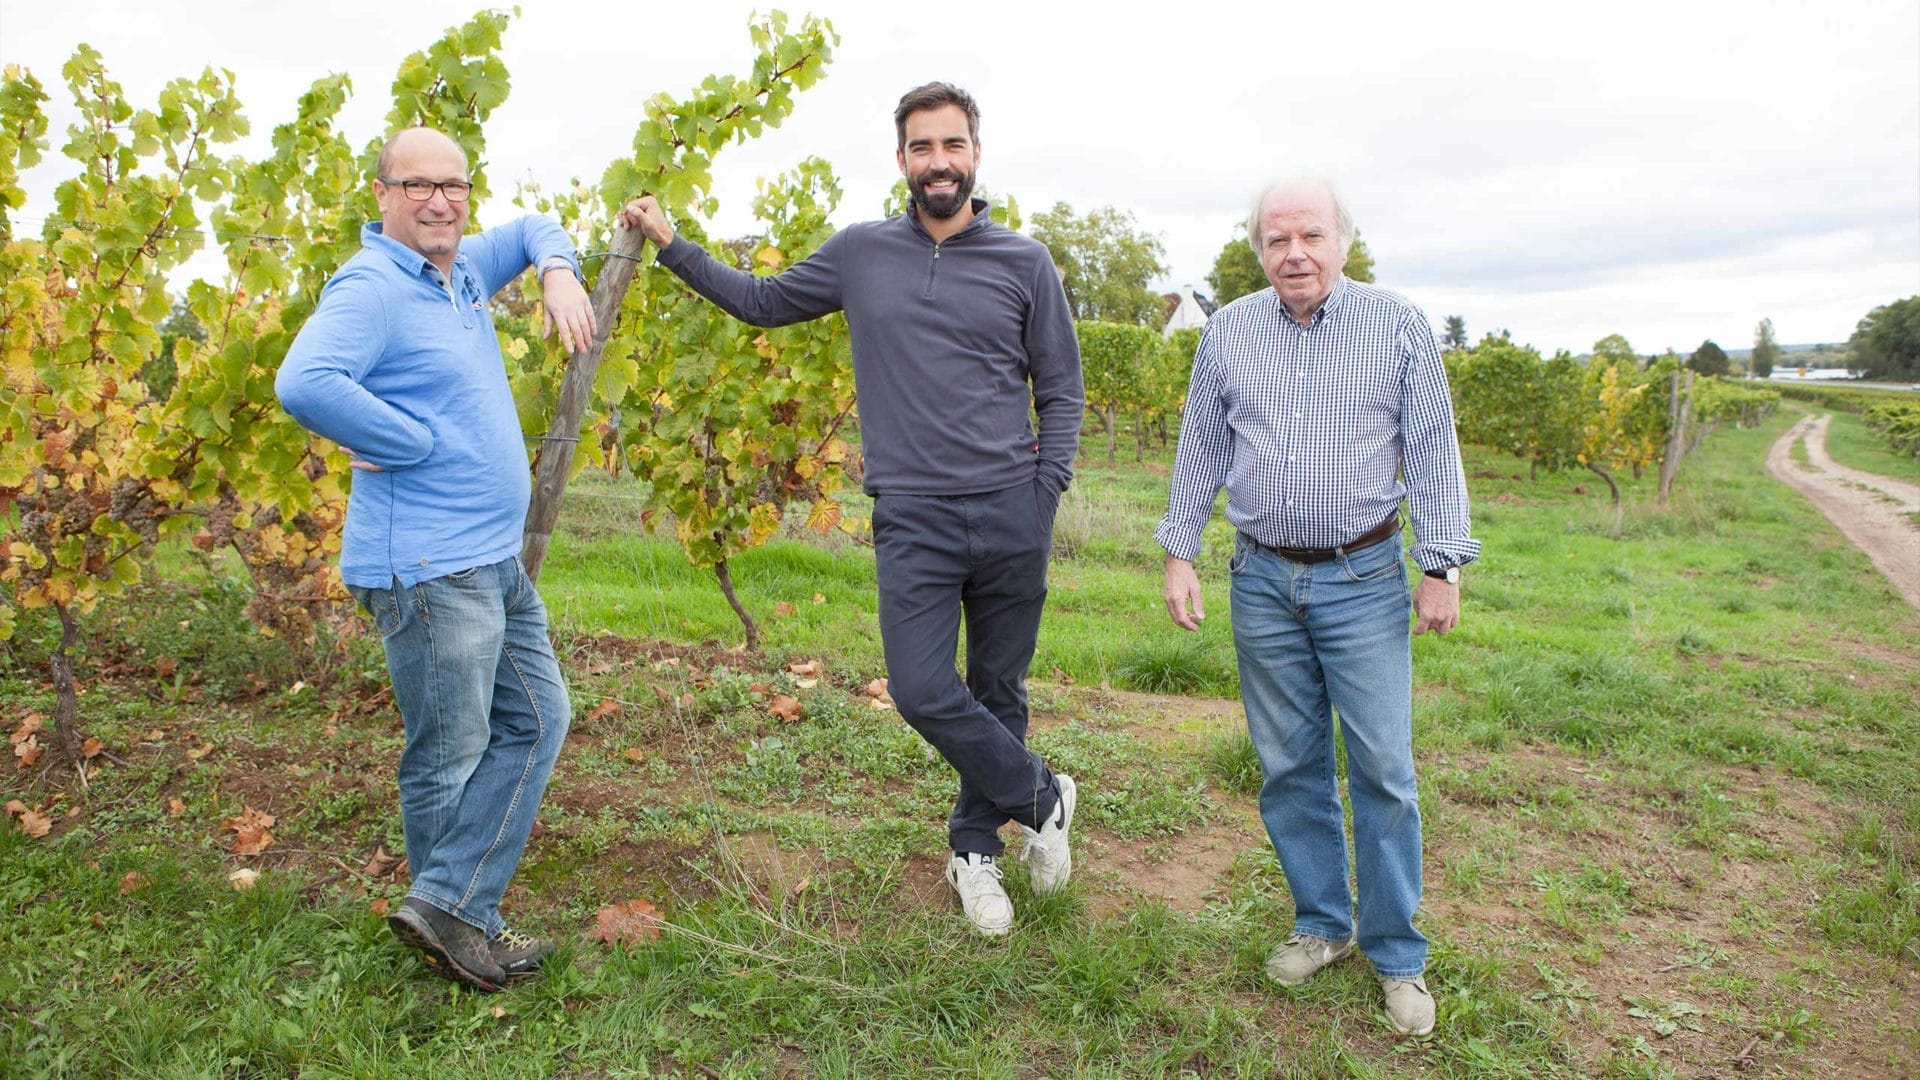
x=1853 y=444
x=1676 y=767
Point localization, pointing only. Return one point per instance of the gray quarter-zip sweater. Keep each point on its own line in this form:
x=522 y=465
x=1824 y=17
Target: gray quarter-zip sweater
x=951 y=343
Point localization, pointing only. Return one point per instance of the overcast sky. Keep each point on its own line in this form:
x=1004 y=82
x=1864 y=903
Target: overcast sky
x=1669 y=171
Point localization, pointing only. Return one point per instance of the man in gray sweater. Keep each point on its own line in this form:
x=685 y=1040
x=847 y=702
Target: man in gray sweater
x=959 y=327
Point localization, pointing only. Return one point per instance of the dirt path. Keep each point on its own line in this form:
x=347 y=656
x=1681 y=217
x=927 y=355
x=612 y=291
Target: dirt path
x=1870 y=509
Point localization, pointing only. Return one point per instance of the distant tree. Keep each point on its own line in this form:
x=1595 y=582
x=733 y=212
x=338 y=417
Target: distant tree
x=1613 y=350
x=1359 y=260
x=1709 y=359
x=1456 y=335
x=1886 y=343
x=1106 y=263
x=1766 y=352
x=1236 y=270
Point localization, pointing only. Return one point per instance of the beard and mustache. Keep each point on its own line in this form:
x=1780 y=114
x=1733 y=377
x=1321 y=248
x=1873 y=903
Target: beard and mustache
x=941 y=205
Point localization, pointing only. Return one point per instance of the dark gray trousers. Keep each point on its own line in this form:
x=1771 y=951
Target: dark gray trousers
x=985 y=555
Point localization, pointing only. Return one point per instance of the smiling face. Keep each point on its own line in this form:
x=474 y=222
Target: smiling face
x=939 y=160
x=434 y=227
x=1301 y=248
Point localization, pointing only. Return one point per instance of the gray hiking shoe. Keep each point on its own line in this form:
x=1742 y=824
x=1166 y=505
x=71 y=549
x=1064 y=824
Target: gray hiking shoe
x=519 y=955
x=1409 y=1005
x=1296 y=959
x=452 y=948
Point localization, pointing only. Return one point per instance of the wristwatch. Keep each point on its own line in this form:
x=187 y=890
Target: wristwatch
x=1451 y=575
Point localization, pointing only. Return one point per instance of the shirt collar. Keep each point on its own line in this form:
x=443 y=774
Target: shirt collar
x=982 y=218
x=1327 y=309
x=374 y=237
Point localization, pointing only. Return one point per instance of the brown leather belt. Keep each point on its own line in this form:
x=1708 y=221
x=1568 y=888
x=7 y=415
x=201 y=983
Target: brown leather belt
x=1384 y=530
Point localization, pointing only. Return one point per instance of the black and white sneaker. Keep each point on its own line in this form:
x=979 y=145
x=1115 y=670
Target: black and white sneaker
x=977 y=879
x=1048 y=855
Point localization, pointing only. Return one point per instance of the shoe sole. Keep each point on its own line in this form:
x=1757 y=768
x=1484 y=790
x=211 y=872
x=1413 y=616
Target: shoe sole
x=1069 y=798
x=1302 y=980
x=1420 y=1034
x=414 y=931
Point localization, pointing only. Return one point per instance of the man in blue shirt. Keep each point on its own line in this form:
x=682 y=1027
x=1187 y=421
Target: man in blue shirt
x=1310 y=401
x=399 y=362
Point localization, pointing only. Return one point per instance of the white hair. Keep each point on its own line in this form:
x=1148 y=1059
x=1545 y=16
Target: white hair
x=1342 y=218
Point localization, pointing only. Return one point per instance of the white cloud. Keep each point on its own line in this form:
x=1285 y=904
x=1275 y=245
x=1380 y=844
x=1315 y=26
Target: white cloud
x=1671 y=172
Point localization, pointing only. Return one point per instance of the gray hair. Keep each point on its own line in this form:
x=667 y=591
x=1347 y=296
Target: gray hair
x=1342 y=217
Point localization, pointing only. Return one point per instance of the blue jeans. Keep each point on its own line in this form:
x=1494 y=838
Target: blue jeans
x=485 y=710
x=1313 y=638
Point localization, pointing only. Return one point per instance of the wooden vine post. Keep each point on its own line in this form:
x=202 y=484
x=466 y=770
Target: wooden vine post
x=554 y=462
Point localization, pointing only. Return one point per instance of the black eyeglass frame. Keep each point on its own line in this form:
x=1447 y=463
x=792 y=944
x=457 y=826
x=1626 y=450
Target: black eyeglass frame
x=411 y=189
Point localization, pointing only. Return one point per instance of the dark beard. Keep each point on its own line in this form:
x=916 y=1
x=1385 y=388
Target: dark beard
x=943 y=206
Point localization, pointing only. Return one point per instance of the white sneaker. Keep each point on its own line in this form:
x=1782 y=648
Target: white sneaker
x=1409 y=1005
x=1295 y=960
x=977 y=880
x=1048 y=855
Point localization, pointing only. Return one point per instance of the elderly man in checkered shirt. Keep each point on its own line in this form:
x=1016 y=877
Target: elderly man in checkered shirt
x=1320 y=404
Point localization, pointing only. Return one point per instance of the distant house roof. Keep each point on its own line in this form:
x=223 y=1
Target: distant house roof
x=1186 y=307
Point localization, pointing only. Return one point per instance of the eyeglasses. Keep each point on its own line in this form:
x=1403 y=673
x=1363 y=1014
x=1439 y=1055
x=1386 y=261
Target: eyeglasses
x=422 y=190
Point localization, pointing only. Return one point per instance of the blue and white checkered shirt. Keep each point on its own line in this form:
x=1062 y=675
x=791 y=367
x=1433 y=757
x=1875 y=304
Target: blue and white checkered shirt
x=1311 y=428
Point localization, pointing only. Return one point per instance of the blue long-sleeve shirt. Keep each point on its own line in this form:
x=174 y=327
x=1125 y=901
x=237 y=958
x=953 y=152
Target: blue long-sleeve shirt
x=402 y=365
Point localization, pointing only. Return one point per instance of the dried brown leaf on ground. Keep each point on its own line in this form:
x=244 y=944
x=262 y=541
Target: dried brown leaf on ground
x=243 y=879
x=175 y=807
x=381 y=864
x=784 y=709
x=607 y=707
x=250 y=835
x=34 y=823
x=629 y=922
x=807 y=669
x=133 y=882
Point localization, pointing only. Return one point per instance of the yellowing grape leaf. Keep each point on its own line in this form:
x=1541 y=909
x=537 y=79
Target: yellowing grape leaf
x=824 y=517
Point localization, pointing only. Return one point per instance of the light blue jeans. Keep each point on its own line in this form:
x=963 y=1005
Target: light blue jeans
x=485 y=711
x=1313 y=638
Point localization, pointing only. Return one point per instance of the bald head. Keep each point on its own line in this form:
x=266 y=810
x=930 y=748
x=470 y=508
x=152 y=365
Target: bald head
x=415 y=138
x=430 y=221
